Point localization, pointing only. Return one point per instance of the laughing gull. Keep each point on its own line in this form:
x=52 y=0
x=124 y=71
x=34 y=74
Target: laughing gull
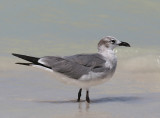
x=82 y=70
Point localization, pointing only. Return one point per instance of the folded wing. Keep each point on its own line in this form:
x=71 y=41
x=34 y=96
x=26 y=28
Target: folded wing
x=75 y=66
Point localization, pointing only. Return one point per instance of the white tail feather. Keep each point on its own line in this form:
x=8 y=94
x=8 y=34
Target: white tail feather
x=43 y=68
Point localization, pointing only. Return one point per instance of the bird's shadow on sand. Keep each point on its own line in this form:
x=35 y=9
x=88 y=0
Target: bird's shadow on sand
x=97 y=100
x=116 y=99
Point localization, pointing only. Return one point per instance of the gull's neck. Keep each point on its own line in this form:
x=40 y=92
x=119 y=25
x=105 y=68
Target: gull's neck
x=106 y=52
x=110 y=57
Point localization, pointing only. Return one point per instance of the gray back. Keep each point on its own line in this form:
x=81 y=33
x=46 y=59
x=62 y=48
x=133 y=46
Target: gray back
x=77 y=65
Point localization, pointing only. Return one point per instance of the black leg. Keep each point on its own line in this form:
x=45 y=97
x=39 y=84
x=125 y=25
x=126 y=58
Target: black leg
x=87 y=96
x=79 y=95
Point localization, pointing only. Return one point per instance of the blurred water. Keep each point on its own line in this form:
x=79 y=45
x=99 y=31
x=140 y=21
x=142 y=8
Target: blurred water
x=65 y=27
x=134 y=91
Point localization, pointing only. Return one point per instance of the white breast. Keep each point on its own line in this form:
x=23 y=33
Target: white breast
x=111 y=59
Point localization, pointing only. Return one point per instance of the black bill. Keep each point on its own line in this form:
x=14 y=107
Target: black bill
x=124 y=44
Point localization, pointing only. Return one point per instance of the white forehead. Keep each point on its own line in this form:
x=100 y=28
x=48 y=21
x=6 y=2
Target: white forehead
x=109 y=38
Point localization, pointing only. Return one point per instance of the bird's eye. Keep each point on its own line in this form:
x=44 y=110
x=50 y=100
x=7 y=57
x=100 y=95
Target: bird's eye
x=113 y=41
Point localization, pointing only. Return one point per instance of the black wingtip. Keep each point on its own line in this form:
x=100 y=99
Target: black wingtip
x=26 y=64
x=14 y=54
x=27 y=58
x=33 y=60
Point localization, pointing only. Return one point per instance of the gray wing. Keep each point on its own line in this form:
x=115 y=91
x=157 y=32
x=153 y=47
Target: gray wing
x=94 y=61
x=75 y=66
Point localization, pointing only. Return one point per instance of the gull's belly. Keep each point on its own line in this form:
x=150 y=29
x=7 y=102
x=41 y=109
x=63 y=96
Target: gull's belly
x=86 y=81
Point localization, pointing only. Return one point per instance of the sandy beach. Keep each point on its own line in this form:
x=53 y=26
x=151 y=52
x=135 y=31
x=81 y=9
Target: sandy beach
x=133 y=92
x=66 y=27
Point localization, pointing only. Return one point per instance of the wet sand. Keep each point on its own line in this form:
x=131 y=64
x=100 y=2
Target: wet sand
x=43 y=96
x=133 y=92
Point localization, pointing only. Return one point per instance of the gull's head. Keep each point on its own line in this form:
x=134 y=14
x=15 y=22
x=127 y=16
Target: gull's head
x=109 y=43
